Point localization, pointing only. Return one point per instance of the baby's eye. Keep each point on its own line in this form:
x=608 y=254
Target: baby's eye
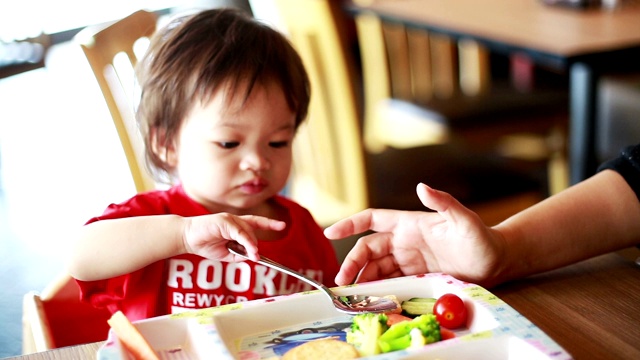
x=228 y=144
x=279 y=144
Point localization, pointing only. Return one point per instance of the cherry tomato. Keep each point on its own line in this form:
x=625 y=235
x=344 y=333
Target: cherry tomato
x=450 y=311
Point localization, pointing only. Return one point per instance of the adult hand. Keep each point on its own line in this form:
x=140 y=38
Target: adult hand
x=453 y=240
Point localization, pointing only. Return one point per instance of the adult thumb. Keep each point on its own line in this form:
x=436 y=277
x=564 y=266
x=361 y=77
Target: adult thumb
x=446 y=205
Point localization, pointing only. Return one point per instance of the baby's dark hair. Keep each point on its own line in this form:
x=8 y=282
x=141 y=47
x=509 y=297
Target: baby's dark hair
x=194 y=56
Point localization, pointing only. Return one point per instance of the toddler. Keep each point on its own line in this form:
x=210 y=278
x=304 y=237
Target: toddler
x=221 y=98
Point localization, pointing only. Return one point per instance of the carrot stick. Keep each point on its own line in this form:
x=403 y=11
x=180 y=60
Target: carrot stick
x=131 y=338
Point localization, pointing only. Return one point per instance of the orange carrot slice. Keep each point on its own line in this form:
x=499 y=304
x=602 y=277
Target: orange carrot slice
x=131 y=338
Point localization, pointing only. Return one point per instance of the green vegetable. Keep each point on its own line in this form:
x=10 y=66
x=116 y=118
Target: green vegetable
x=417 y=339
x=422 y=300
x=365 y=330
x=418 y=306
x=399 y=337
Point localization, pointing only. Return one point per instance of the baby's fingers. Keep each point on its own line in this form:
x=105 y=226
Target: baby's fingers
x=263 y=223
x=244 y=231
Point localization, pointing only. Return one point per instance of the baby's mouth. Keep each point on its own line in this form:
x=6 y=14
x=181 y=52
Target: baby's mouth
x=254 y=186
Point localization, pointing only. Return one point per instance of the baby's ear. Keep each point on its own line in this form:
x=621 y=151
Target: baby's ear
x=166 y=152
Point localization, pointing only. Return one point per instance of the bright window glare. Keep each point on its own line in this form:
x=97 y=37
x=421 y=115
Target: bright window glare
x=28 y=18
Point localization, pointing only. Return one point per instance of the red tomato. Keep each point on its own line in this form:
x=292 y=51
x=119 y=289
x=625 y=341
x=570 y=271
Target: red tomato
x=450 y=311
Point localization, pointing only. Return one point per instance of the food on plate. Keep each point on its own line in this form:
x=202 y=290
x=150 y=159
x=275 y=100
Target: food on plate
x=414 y=324
x=418 y=306
x=416 y=333
x=365 y=330
x=322 y=349
x=371 y=335
x=131 y=338
x=450 y=311
x=446 y=334
x=396 y=318
x=423 y=321
x=398 y=309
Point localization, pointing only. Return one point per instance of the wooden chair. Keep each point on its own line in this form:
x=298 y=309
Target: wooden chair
x=328 y=176
x=448 y=82
x=56 y=318
x=333 y=174
x=423 y=88
x=112 y=51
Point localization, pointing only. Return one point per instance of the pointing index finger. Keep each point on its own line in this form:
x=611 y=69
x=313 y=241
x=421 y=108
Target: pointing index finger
x=379 y=220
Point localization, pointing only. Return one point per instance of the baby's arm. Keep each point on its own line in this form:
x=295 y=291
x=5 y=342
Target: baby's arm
x=109 y=248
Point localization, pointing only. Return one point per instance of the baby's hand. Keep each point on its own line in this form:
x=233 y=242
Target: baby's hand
x=208 y=235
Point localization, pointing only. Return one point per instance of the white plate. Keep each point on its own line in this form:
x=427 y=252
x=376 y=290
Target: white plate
x=264 y=329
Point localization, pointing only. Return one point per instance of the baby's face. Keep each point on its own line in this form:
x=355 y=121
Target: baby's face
x=232 y=156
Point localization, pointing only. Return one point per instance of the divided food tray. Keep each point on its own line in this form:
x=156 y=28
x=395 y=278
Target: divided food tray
x=265 y=329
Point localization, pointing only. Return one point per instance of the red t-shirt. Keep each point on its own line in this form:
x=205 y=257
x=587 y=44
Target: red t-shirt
x=192 y=282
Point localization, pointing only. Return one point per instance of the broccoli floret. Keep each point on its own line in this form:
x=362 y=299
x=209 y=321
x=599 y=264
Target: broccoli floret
x=399 y=337
x=417 y=339
x=365 y=330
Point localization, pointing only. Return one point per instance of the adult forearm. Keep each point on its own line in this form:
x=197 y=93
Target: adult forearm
x=599 y=215
x=109 y=248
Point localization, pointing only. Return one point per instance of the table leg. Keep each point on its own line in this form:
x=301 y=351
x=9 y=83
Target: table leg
x=582 y=107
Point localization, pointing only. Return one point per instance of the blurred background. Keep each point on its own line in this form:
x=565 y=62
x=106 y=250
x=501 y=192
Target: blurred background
x=61 y=161
x=60 y=156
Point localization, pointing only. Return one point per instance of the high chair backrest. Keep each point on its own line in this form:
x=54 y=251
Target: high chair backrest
x=57 y=318
x=113 y=51
x=329 y=169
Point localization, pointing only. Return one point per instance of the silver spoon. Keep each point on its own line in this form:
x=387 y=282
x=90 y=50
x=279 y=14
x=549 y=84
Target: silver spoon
x=352 y=304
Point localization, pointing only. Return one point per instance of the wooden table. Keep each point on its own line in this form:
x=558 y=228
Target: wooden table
x=592 y=309
x=79 y=352
x=586 y=43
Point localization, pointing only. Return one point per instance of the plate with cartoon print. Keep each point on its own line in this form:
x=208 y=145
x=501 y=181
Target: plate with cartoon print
x=267 y=329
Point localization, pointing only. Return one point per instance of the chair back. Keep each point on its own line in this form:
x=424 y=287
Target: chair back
x=423 y=88
x=330 y=147
x=113 y=51
x=328 y=176
x=56 y=318
x=403 y=67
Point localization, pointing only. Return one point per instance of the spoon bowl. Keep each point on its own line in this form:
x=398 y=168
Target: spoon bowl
x=351 y=304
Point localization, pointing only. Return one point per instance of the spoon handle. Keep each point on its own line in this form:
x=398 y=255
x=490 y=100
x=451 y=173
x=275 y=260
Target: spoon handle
x=277 y=266
x=238 y=249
